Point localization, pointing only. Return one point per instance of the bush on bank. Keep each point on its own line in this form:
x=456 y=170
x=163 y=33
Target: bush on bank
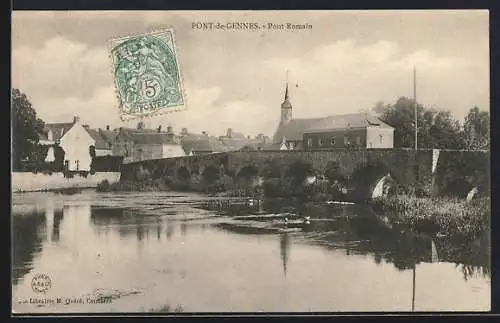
x=451 y=216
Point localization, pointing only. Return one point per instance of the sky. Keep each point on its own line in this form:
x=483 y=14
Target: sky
x=347 y=62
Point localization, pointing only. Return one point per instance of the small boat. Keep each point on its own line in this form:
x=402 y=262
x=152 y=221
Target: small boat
x=340 y=202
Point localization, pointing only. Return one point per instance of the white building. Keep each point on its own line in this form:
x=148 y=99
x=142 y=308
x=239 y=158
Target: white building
x=75 y=141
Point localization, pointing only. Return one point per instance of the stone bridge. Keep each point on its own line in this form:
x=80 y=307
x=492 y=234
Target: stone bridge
x=436 y=172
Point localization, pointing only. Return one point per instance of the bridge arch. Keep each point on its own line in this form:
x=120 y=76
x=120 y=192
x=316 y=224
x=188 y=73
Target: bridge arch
x=247 y=175
x=183 y=174
x=270 y=170
x=372 y=180
x=458 y=188
x=210 y=174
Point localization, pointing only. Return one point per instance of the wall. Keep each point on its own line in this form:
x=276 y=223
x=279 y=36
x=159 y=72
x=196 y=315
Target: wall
x=103 y=152
x=76 y=143
x=29 y=182
x=373 y=137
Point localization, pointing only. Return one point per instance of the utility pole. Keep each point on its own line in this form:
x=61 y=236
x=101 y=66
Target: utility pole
x=415 y=105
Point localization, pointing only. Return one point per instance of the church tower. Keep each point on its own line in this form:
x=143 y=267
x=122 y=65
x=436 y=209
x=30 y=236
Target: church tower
x=286 y=108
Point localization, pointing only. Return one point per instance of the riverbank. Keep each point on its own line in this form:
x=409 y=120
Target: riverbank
x=455 y=217
x=31 y=182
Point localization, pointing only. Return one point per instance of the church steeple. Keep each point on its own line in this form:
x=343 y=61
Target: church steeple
x=286 y=106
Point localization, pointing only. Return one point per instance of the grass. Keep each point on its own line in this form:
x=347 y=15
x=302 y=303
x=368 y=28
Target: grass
x=450 y=216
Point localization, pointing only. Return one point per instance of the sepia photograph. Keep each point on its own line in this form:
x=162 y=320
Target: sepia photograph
x=273 y=161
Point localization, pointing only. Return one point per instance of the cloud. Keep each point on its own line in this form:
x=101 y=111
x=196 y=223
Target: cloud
x=63 y=67
x=98 y=110
x=205 y=114
x=236 y=79
x=345 y=76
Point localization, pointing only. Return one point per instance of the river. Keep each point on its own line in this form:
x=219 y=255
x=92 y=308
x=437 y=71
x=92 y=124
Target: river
x=138 y=252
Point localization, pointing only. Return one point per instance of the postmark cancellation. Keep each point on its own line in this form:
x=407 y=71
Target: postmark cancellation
x=147 y=75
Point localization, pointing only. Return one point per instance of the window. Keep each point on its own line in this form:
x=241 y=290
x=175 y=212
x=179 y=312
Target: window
x=332 y=141
x=291 y=145
x=358 y=140
x=346 y=141
x=66 y=164
x=381 y=136
x=309 y=142
x=77 y=163
x=320 y=142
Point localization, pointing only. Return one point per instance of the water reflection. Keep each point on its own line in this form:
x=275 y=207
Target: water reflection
x=345 y=232
x=29 y=231
x=284 y=250
x=358 y=230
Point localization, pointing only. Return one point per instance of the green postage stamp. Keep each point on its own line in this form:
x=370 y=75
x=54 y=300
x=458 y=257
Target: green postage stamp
x=146 y=74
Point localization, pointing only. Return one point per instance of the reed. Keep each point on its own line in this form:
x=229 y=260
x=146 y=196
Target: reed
x=444 y=214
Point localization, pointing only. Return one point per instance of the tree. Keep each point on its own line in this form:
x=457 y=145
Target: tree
x=25 y=129
x=476 y=130
x=436 y=128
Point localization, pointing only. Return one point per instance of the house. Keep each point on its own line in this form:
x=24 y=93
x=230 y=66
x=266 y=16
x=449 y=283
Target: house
x=342 y=131
x=355 y=130
x=74 y=140
x=144 y=144
x=195 y=144
x=108 y=136
x=102 y=146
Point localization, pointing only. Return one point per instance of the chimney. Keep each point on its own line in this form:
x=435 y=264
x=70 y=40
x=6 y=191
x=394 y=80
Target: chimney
x=184 y=131
x=76 y=119
x=159 y=128
x=170 y=129
x=204 y=133
x=107 y=127
x=229 y=133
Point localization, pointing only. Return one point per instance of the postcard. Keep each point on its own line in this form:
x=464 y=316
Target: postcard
x=250 y=161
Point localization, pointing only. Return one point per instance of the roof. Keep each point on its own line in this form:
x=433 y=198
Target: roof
x=100 y=141
x=147 y=137
x=58 y=129
x=212 y=144
x=233 y=144
x=192 y=136
x=267 y=146
x=108 y=135
x=236 y=135
x=190 y=145
x=294 y=129
x=346 y=121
